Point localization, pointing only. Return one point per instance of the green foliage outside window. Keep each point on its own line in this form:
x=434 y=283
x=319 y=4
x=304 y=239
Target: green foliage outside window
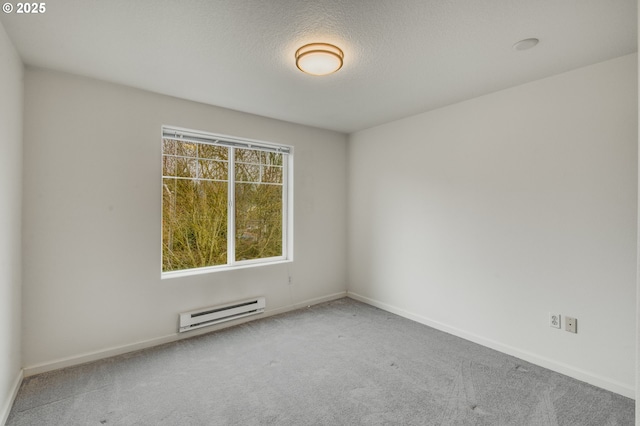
x=195 y=204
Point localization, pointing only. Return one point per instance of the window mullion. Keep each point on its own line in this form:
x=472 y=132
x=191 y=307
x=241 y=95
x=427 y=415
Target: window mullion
x=231 y=208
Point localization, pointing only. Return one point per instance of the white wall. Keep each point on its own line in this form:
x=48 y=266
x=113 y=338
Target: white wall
x=11 y=98
x=638 y=280
x=92 y=219
x=482 y=217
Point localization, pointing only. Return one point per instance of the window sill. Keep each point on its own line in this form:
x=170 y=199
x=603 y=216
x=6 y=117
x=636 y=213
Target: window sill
x=222 y=268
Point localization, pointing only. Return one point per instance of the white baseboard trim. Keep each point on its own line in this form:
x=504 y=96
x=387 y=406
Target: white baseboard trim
x=568 y=370
x=8 y=403
x=119 y=350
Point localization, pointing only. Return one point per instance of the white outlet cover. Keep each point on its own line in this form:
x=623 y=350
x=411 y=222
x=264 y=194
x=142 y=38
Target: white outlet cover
x=554 y=320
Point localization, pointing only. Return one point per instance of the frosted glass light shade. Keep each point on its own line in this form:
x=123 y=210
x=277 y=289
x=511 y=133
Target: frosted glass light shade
x=319 y=58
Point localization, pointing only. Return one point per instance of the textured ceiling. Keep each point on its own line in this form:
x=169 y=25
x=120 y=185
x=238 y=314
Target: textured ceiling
x=402 y=57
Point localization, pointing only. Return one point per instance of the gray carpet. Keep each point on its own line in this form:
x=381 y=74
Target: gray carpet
x=338 y=363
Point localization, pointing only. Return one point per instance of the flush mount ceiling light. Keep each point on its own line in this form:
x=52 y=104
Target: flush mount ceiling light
x=319 y=58
x=525 y=44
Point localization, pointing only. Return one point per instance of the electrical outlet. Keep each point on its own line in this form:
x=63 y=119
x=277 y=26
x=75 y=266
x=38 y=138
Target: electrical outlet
x=571 y=324
x=554 y=320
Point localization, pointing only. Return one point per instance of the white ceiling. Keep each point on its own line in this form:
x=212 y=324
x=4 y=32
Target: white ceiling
x=402 y=57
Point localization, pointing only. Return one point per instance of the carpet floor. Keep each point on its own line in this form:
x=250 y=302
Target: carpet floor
x=337 y=363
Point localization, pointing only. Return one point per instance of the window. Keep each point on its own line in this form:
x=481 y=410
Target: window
x=225 y=201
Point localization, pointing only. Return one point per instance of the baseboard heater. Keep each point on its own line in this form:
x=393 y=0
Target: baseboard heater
x=217 y=314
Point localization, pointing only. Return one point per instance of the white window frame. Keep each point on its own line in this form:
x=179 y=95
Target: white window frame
x=188 y=135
